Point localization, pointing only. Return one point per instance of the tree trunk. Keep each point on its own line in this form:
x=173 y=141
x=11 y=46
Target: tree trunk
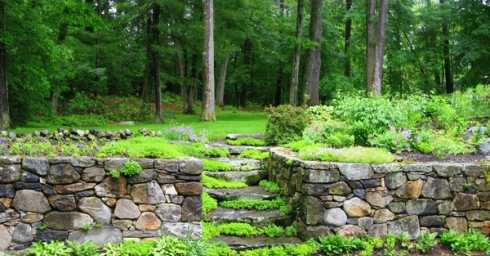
x=375 y=49
x=314 y=58
x=447 y=59
x=347 y=36
x=145 y=90
x=56 y=91
x=208 y=107
x=4 y=101
x=293 y=89
x=220 y=95
x=156 y=62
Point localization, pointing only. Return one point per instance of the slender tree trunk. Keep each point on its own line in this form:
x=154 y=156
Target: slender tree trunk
x=220 y=95
x=347 y=36
x=293 y=88
x=314 y=58
x=192 y=74
x=248 y=59
x=375 y=49
x=447 y=59
x=145 y=90
x=4 y=93
x=156 y=62
x=278 y=92
x=208 y=107
x=56 y=91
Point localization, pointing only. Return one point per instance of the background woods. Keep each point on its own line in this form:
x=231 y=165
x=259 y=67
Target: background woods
x=65 y=57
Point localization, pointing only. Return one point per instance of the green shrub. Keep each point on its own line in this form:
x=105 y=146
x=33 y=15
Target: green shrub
x=332 y=133
x=339 y=245
x=319 y=113
x=254 y=154
x=298 y=145
x=33 y=149
x=246 y=142
x=216 y=166
x=209 y=204
x=130 y=168
x=391 y=140
x=441 y=145
x=346 y=155
x=270 y=186
x=210 y=182
x=285 y=124
x=254 y=204
x=444 y=115
x=473 y=241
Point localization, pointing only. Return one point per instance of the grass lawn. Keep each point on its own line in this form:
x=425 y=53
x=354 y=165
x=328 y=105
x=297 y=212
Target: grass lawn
x=227 y=122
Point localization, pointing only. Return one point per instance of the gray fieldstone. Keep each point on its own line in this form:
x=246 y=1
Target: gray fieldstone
x=335 y=217
x=339 y=188
x=22 y=233
x=31 y=201
x=356 y=207
x=383 y=215
x=63 y=202
x=93 y=174
x=147 y=193
x=38 y=166
x=484 y=147
x=83 y=161
x=435 y=221
x=144 y=176
x=465 y=202
x=314 y=210
x=7 y=190
x=410 y=190
x=62 y=174
x=436 y=188
x=10 y=173
x=448 y=169
x=169 y=212
x=126 y=209
x=322 y=176
x=67 y=220
x=395 y=180
x=94 y=207
x=356 y=171
x=378 y=199
x=99 y=236
x=350 y=230
x=193 y=230
x=5 y=238
x=458 y=224
x=191 y=166
x=409 y=225
x=192 y=209
x=421 y=207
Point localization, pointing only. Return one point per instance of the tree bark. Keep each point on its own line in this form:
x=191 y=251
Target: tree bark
x=208 y=108
x=147 y=81
x=156 y=61
x=293 y=89
x=4 y=101
x=220 y=95
x=375 y=51
x=447 y=59
x=314 y=57
x=347 y=36
x=56 y=91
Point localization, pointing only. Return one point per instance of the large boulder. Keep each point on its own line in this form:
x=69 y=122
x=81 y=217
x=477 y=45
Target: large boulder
x=94 y=207
x=67 y=220
x=99 y=236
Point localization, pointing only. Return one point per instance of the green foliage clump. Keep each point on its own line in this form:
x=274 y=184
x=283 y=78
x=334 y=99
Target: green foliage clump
x=347 y=155
x=240 y=229
x=209 y=204
x=141 y=147
x=210 y=182
x=391 y=140
x=332 y=133
x=319 y=113
x=285 y=124
x=441 y=145
x=69 y=121
x=254 y=154
x=426 y=242
x=473 y=241
x=32 y=149
x=254 y=204
x=246 y=142
x=298 y=145
x=339 y=245
x=216 y=166
x=216 y=152
x=57 y=248
x=128 y=169
x=304 y=249
x=270 y=186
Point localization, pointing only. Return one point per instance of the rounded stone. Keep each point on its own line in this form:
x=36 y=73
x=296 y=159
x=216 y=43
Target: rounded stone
x=378 y=199
x=99 y=236
x=410 y=190
x=436 y=188
x=39 y=166
x=96 y=208
x=22 y=233
x=126 y=209
x=31 y=201
x=355 y=207
x=465 y=202
x=383 y=215
x=5 y=238
x=147 y=193
x=63 y=202
x=62 y=174
x=148 y=221
x=335 y=217
x=189 y=188
x=395 y=180
x=351 y=230
x=93 y=174
x=67 y=220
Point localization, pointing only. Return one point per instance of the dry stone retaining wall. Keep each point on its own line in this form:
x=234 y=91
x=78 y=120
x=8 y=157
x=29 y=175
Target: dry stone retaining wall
x=76 y=199
x=386 y=198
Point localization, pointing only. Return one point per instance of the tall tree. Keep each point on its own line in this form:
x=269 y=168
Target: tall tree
x=376 y=20
x=4 y=101
x=314 y=57
x=208 y=108
x=447 y=59
x=293 y=87
x=347 y=36
x=220 y=93
x=155 y=59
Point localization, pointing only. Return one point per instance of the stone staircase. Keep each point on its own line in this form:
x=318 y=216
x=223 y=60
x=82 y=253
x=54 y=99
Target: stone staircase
x=251 y=172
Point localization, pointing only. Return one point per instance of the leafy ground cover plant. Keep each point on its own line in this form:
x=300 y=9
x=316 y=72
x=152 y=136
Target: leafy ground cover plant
x=141 y=147
x=212 y=230
x=270 y=186
x=254 y=204
x=209 y=204
x=346 y=155
x=426 y=242
x=246 y=142
x=210 y=182
x=216 y=166
x=254 y=154
x=473 y=241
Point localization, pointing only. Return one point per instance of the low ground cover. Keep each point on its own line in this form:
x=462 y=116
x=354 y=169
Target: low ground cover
x=216 y=166
x=448 y=243
x=210 y=182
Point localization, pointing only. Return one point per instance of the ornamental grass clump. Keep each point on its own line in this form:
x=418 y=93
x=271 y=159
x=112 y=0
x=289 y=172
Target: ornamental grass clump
x=346 y=155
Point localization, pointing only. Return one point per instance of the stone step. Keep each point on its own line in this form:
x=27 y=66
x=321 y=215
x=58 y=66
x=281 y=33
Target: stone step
x=237 y=150
x=225 y=215
x=241 y=164
x=254 y=192
x=244 y=243
x=249 y=177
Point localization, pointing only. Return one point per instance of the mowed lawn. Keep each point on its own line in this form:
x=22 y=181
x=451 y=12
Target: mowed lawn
x=227 y=122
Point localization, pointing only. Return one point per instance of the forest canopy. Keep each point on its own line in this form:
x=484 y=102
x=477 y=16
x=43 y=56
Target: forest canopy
x=62 y=57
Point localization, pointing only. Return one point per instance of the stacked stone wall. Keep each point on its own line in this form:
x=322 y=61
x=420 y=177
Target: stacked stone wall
x=76 y=199
x=378 y=199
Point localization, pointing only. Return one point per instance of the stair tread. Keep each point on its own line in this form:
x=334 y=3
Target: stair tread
x=221 y=215
x=255 y=192
x=249 y=177
x=243 y=243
